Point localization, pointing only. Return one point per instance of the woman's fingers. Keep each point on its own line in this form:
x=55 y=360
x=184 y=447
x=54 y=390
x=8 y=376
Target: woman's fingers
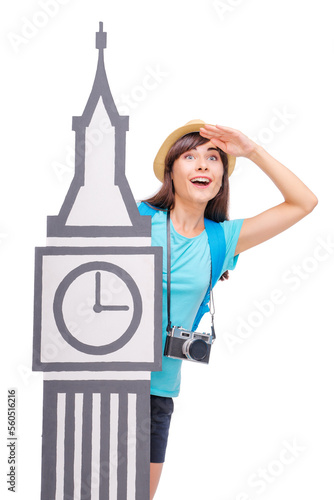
x=227 y=129
x=219 y=143
x=210 y=130
x=218 y=130
x=228 y=139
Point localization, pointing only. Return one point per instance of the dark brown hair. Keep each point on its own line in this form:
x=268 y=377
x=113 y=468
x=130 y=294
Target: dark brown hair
x=217 y=208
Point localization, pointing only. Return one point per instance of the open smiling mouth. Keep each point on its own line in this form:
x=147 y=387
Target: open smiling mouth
x=201 y=181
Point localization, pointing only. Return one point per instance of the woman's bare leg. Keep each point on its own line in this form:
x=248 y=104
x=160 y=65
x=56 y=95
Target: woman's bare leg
x=155 y=473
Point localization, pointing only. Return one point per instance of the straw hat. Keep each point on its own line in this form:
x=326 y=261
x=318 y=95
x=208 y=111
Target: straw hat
x=192 y=126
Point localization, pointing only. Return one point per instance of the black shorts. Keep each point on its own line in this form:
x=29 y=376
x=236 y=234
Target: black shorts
x=161 y=414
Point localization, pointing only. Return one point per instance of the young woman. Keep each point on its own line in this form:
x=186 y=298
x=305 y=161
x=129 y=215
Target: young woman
x=194 y=164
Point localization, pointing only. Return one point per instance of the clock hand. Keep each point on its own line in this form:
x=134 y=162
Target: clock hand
x=97 y=306
x=98 y=289
x=113 y=308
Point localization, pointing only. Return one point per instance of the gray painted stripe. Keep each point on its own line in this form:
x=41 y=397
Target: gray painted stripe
x=60 y=462
x=90 y=386
x=54 y=230
x=143 y=442
x=96 y=437
x=86 y=447
x=104 y=446
x=92 y=250
x=132 y=434
x=122 y=447
x=77 y=445
x=69 y=446
x=86 y=375
x=114 y=419
x=49 y=443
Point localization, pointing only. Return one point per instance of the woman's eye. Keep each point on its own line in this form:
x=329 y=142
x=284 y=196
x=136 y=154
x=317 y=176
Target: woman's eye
x=212 y=157
x=188 y=156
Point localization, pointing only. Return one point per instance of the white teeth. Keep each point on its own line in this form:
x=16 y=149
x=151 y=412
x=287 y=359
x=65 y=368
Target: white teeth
x=201 y=179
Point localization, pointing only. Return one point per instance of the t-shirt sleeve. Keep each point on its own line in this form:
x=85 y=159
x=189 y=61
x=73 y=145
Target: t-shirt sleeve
x=232 y=231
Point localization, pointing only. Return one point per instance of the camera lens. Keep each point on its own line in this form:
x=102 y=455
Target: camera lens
x=195 y=349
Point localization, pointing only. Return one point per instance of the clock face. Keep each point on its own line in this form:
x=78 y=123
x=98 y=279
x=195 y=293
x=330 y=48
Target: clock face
x=97 y=307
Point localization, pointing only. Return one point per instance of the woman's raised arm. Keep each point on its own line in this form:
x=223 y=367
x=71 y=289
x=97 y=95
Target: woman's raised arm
x=299 y=199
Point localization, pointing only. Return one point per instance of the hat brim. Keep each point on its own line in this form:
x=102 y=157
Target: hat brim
x=193 y=126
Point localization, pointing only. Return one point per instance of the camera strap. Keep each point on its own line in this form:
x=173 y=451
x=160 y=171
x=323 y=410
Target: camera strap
x=169 y=325
x=211 y=302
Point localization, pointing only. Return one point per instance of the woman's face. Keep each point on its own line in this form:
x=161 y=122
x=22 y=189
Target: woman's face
x=197 y=174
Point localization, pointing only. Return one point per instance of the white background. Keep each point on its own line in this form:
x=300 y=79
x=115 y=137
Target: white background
x=240 y=63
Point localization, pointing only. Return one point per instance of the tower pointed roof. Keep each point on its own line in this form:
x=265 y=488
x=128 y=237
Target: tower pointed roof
x=100 y=88
x=99 y=202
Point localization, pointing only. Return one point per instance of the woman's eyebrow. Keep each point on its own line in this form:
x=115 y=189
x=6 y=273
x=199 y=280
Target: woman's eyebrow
x=209 y=149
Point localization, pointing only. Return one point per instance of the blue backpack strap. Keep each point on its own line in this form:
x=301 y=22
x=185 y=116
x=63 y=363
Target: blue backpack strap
x=216 y=237
x=146 y=209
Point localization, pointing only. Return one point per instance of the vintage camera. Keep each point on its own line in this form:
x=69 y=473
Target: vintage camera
x=184 y=344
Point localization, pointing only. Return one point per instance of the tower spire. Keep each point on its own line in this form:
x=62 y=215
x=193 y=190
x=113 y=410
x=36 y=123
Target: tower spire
x=101 y=38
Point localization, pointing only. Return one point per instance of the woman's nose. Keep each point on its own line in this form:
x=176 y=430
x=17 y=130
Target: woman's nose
x=202 y=165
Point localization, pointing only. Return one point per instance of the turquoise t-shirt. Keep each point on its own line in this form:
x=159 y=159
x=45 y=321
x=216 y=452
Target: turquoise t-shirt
x=190 y=277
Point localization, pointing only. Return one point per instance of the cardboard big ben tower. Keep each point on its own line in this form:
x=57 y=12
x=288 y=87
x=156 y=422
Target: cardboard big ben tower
x=97 y=319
